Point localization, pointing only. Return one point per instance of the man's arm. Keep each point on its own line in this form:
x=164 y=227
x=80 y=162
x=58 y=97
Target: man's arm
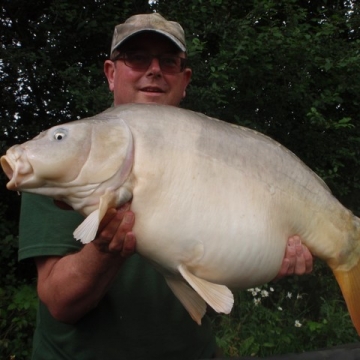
x=72 y=285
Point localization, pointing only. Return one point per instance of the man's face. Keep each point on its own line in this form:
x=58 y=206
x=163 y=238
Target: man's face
x=151 y=85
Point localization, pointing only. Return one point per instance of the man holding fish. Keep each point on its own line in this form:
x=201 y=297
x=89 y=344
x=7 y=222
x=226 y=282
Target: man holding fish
x=96 y=300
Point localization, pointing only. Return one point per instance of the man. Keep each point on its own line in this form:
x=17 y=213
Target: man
x=94 y=302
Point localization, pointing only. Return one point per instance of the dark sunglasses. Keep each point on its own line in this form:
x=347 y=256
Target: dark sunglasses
x=137 y=60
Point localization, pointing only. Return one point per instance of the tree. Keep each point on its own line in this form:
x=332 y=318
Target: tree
x=52 y=54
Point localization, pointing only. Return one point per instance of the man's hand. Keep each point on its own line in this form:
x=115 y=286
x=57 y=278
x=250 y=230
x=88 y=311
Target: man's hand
x=297 y=260
x=115 y=232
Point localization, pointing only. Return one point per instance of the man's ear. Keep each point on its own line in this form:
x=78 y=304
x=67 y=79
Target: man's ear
x=187 y=77
x=109 y=70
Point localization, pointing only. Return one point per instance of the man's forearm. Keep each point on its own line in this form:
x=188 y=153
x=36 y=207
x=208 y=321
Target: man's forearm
x=72 y=285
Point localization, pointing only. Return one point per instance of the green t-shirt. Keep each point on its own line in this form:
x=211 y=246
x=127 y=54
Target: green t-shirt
x=138 y=318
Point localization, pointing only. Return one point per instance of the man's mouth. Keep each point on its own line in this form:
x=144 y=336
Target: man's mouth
x=152 y=89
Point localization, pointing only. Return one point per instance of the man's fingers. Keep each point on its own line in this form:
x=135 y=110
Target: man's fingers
x=113 y=231
x=129 y=245
x=109 y=215
x=284 y=269
x=303 y=260
x=290 y=255
x=309 y=261
x=297 y=259
x=123 y=224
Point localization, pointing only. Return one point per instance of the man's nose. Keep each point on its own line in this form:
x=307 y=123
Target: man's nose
x=155 y=66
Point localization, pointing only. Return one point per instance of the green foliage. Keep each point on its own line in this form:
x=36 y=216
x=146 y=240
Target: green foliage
x=17 y=319
x=284 y=317
x=18 y=300
x=52 y=58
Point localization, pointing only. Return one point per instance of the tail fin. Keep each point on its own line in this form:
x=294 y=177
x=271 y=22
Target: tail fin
x=349 y=282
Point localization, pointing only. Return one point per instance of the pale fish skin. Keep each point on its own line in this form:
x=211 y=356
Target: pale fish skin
x=214 y=203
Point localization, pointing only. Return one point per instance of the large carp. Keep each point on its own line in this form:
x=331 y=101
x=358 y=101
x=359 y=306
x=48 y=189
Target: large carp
x=214 y=203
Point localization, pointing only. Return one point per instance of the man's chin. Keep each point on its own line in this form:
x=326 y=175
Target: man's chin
x=153 y=97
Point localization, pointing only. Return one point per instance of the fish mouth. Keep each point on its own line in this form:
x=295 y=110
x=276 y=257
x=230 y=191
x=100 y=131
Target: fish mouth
x=9 y=169
x=16 y=170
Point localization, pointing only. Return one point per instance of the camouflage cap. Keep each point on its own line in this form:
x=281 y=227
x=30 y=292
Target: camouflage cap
x=148 y=22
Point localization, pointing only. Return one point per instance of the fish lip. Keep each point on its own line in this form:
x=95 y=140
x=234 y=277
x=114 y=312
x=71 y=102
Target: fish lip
x=9 y=168
x=18 y=169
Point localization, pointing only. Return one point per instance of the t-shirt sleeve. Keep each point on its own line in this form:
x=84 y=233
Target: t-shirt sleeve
x=45 y=229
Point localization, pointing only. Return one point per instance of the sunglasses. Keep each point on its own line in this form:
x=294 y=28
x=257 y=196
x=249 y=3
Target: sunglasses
x=137 y=60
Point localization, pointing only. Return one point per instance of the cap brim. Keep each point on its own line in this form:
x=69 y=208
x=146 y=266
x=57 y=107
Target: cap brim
x=178 y=43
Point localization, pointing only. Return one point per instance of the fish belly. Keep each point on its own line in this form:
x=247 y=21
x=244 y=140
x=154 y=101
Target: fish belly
x=223 y=200
x=220 y=227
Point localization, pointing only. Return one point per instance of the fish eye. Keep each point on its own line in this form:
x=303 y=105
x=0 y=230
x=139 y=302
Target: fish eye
x=60 y=134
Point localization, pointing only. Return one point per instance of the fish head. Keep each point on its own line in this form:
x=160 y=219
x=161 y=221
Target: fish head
x=53 y=157
x=69 y=159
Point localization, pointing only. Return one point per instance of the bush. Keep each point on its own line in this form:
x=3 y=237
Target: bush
x=18 y=300
x=17 y=319
x=294 y=315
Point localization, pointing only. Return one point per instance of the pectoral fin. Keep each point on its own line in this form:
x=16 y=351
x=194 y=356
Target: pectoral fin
x=190 y=299
x=219 y=297
x=87 y=230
